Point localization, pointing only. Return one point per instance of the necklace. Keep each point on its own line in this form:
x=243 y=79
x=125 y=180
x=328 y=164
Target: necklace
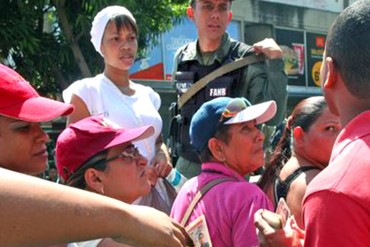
x=127 y=90
x=124 y=89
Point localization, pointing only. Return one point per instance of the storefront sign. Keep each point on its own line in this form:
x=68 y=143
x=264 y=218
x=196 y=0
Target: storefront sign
x=292 y=43
x=315 y=51
x=157 y=63
x=328 y=5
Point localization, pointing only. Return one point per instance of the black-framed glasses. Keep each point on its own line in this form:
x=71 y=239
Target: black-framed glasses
x=129 y=153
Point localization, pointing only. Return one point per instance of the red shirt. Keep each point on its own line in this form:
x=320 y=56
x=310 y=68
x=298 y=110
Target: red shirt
x=336 y=207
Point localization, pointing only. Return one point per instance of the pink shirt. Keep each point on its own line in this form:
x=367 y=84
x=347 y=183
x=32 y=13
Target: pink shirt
x=229 y=207
x=336 y=207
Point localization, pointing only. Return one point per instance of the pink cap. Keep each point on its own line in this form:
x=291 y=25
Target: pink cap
x=18 y=99
x=82 y=140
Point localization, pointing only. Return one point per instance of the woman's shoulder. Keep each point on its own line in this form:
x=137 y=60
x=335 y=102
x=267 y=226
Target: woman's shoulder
x=90 y=81
x=82 y=88
x=143 y=88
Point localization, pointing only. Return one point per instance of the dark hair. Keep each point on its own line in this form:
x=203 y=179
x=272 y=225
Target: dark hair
x=348 y=44
x=303 y=115
x=222 y=133
x=123 y=21
x=192 y=3
x=77 y=179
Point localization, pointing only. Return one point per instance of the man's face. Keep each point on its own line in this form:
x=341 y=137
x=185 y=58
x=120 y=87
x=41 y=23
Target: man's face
x=211 y=17
x=201 y=239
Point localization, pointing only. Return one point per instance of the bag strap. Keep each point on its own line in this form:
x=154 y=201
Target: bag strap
x=199 y=195
x=198 y=85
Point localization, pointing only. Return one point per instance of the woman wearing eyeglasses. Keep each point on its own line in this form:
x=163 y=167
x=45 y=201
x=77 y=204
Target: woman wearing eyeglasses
x=36 y=212
x=93 y=155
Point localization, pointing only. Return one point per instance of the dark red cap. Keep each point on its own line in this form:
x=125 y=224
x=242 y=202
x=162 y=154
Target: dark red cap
x=82 y=140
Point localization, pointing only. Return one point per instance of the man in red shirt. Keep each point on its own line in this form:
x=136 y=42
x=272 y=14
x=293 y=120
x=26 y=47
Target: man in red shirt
x=336 y=207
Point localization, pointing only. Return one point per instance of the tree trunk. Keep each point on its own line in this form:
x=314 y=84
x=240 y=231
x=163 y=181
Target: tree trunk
x=66 y=27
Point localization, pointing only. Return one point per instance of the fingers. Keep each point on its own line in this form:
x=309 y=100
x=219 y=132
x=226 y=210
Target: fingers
x=273 y=219
x=152 y=176
x=261 y=224
x=166 y=170
x=269 y=48
x=270 y=236
x=182 y=235
x=162 y=169
x=294 y=226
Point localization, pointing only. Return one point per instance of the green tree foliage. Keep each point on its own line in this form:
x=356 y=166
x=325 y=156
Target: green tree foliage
x=48 y=41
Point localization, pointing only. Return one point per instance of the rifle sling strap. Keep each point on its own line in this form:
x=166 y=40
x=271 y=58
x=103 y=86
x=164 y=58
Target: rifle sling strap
x=201 y=83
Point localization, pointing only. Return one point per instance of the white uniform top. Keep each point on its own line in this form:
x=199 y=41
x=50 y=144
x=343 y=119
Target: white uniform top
x=91 y=243
x=102 y=97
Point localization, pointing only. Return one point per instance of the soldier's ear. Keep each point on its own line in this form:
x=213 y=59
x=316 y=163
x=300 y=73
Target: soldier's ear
x=230 y=15
x=190 y=12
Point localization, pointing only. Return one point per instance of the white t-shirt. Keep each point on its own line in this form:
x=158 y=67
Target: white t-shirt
x=102 y=97
x=90 y=243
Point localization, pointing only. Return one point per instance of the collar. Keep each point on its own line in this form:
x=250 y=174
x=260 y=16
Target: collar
x=219 y=168
x=354 y=130
x=192 y=51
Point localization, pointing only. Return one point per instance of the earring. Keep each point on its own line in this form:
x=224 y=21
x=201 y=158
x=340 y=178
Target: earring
x=102 y=190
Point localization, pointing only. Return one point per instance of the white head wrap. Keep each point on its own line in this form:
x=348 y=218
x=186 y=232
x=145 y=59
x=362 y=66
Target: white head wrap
x=100 y=21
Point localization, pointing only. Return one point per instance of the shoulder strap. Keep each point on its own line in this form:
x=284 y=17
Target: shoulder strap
x=281 y=187
x=199 y=195
x=298 y=172
x=198 y=85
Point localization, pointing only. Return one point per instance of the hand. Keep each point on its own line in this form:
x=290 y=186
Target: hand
x=270 y=236
x=159 y=167
x=160 y=230
x=269 y=48
x=161 y=164
x=152 y=175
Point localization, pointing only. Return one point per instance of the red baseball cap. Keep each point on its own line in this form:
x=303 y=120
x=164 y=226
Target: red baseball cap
x=82 y=140
x=19 y=100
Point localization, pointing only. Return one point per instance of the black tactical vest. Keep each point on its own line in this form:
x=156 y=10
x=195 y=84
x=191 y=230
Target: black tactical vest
x=226 y=85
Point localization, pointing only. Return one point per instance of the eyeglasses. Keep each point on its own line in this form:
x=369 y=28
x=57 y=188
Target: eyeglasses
x=235 y=106
x=130 y=153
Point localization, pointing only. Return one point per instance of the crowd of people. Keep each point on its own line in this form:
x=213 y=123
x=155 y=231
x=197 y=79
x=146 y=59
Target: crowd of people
x=114 y=167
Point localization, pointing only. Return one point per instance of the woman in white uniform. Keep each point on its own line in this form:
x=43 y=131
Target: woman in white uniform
x=113 y=95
